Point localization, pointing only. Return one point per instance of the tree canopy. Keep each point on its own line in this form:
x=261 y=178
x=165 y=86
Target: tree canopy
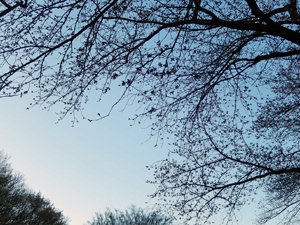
x=219 y=78
x=131 y=216
x=18 y=205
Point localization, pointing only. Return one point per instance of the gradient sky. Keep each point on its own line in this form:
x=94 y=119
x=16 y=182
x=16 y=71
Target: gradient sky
x=86 y=168
x=81 y=169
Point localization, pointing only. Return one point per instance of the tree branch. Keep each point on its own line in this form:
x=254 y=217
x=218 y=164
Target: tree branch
x=10 y=8
x=273 y=172
x=273 y=55
x=276 y=28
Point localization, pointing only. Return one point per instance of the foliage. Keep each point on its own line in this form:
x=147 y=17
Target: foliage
x=218 y=77
x=20 y=206
x=130 y=217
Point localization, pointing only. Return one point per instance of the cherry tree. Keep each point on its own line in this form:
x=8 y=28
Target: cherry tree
x=218 y=78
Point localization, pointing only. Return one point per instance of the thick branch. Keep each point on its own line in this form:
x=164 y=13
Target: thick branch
x=273 y=55
x=279 y=10
x=273 y=172
x=287 y=34
x=292 y=9
x=5 y=4
x=276 y=28
x=10 y=8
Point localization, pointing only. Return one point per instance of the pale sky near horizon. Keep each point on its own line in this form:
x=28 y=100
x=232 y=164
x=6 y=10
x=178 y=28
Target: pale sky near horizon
x=86 y=168
x=81 y=169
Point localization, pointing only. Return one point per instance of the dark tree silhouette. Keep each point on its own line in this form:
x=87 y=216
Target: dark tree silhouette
x=219 y=78
x=133 y=215
x=18 y=205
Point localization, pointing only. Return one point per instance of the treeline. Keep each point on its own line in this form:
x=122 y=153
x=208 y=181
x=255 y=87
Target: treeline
x=19 y=205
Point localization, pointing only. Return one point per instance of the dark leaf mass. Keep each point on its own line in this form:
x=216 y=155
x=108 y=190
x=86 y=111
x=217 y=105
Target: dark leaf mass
x=19 y=205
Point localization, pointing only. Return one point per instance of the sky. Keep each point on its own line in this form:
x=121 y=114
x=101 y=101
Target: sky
x=81 y=169
x=86 y=168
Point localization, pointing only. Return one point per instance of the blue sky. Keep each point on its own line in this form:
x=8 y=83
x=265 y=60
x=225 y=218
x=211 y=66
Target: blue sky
x=86 y=168
x=81 y=169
